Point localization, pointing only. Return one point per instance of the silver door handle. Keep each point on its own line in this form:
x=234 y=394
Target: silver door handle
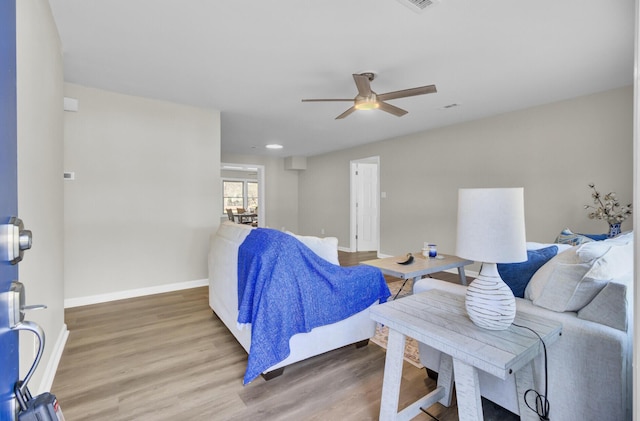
x=14 y=240
x=16 y=304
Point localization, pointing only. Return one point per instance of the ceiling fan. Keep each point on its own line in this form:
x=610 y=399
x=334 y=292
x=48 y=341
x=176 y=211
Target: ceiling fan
x=369 y=100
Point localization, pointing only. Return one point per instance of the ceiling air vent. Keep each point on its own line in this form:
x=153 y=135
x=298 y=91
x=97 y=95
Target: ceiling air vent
x=418 y=5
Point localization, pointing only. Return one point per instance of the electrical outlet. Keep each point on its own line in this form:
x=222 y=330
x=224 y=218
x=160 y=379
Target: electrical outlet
x=322 y=231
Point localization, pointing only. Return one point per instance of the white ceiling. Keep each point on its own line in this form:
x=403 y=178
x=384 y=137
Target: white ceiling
x=255 y=61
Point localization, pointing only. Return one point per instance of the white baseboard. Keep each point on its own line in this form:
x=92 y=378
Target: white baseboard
x=52 y=366
x=121 y=295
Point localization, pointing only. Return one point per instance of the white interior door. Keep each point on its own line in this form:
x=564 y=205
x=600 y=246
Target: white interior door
x=366 y=205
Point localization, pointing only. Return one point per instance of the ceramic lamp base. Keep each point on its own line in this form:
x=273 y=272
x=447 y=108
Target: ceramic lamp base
x=489 y=301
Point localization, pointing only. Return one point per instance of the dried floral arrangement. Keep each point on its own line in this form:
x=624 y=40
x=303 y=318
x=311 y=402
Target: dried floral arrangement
x=607 y=207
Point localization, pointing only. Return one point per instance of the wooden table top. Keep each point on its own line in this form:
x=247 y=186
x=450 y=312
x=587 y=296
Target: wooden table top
x=439 y=319
x=421 y=265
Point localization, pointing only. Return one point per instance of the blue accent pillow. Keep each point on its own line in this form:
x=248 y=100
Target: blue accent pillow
x=597 y=237
x=518 y=275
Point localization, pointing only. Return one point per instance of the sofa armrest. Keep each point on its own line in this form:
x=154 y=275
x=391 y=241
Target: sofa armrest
x=426 y=284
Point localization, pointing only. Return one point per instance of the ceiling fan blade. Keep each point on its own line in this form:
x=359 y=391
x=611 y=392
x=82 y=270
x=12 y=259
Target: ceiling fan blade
x=363 y=85
x=328 y=99
x=392 y=109
x=346 y=113
x=430 y=89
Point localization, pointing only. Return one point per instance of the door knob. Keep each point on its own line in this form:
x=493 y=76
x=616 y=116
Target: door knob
x=14 y=240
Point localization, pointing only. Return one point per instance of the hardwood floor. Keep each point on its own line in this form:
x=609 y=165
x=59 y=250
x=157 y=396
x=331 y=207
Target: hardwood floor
x=168 y=357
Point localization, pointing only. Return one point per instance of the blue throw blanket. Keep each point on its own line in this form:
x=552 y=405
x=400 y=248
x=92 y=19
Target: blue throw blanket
x=284 y=288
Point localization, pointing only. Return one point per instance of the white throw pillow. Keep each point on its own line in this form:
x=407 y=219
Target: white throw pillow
x=561 y=285
x=543 y=275
x=326 y=247
x=610 y=259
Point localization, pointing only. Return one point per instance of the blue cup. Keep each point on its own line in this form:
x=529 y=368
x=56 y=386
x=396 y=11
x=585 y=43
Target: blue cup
x=433 y=251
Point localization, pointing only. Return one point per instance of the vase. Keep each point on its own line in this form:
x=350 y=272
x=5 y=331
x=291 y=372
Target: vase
x=614 y=229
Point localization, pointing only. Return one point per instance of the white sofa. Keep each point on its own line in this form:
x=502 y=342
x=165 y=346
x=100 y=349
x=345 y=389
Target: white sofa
x=589 y=366
x=223 y=299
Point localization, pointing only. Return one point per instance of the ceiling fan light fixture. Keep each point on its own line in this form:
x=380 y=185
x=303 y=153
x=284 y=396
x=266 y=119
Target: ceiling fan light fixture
x=367 y=103
x=367 y=99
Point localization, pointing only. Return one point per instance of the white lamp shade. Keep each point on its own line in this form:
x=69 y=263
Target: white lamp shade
x=491 y=225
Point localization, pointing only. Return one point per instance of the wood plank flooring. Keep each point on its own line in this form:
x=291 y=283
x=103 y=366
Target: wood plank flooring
x=168 y=357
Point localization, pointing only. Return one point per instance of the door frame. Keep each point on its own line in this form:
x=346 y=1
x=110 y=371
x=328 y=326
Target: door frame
x=353 y=226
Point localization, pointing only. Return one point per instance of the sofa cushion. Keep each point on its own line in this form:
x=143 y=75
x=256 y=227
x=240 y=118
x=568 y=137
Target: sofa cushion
x=608 y=307
x=326 y=247
x=518 y=275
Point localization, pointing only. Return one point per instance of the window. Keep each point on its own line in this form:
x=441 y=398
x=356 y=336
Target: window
x=252 y=195
x=239 y=194
x=233 y=194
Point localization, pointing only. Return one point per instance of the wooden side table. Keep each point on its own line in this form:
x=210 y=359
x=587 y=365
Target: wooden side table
x=438 y=318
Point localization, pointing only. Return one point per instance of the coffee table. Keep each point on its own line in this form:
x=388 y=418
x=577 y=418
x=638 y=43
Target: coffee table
x=421 y=266
x=438 y=319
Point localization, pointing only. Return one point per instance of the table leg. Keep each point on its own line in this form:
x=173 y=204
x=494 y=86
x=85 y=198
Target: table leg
x=462 y=275
x=445 y=378
x=467 y=391
x=392 y=376
x=524 y=382
x=413 y=282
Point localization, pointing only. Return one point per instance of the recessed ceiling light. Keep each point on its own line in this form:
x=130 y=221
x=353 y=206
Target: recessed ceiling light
x=274 y=146
x=419 y=5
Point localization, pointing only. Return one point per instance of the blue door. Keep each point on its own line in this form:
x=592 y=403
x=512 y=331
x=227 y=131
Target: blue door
x=8 y=199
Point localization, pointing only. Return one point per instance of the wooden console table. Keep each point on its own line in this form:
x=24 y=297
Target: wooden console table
x=438 y=319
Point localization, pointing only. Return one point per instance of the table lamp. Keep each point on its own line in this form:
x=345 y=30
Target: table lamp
x=491 y=230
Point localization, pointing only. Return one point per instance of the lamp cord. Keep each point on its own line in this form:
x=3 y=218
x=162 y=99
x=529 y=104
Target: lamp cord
x=541 y=406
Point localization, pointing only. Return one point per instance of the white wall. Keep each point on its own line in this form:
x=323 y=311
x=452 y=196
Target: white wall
x=40 y=194
x=281 y=189
x=146 y=194
x=553 y=151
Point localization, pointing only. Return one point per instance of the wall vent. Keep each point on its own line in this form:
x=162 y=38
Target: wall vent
x=418 y=6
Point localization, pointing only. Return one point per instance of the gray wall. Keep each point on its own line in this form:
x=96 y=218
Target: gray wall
x=281 y=189
x=146 y=195
x=553 y=151
x=40 y=195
